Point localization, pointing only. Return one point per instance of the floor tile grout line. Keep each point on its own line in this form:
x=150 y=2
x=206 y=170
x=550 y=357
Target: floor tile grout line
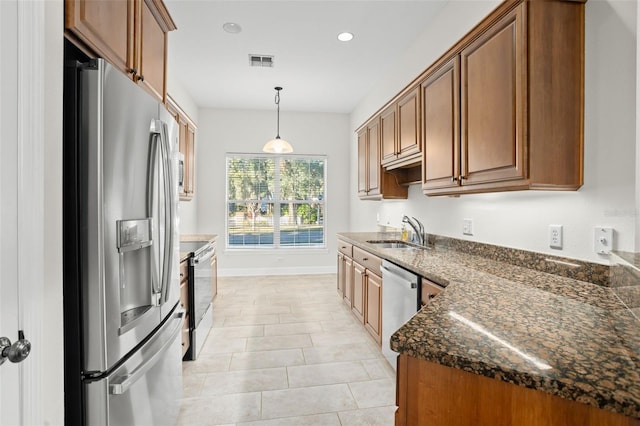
x=337 y=316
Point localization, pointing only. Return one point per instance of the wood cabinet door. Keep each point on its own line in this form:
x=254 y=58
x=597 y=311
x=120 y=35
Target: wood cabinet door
x=373 y=313
x=348 y=280
x=151 y=53
x=359 y=289
x=190 y=162
x=408 y=124
x=186 y=342
x=388 y=134
x=186 y=139
x=341 y=275
x=492 y=103
x=373 y=168
x=429 y=291
x=363 y=163
x=441 y=127
x=214 y=276
x=106 y=26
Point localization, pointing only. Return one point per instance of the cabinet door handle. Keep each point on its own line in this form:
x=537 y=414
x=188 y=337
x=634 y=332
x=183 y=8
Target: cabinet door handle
x=141 y=78
x=133 y=71
x=365 y=258
x=454 y=179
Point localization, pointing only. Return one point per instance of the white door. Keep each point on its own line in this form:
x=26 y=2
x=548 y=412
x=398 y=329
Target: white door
x=21 y=204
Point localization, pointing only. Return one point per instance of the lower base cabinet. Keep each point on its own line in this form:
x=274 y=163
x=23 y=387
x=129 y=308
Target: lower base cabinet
x=373 y=312
x=214 y=276
x=359 y=291
x=432 y=394
x=360 y=284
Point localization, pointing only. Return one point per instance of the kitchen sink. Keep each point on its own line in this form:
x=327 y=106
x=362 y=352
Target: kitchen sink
x=395 y=244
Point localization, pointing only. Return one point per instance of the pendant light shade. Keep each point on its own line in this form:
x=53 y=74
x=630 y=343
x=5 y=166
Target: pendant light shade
x=278 y=145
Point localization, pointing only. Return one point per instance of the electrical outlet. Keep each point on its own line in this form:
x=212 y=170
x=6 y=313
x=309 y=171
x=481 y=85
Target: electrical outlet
x=555 y=236
x=467 y=226
x=603 y=239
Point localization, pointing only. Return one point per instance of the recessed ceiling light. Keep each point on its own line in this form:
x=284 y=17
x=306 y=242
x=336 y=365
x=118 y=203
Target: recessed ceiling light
x=232 y=27
x=345 y=36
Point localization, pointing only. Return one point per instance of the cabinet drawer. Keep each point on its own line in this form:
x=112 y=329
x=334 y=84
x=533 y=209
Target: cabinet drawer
x=345 y=248
x=184 y=296
x=184 y=271
x=368 y=260
x=429 y=291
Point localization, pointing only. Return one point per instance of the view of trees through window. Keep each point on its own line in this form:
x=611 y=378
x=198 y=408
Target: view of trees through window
x=275 y=201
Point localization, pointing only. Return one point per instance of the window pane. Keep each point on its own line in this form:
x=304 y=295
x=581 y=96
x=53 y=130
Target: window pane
x=302 y=179
x=250 y=224
x=301 y=224
x=250 y=178
x=275 y=201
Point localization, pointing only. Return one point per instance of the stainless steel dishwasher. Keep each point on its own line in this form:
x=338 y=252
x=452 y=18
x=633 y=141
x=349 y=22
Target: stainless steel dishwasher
x=400 y=301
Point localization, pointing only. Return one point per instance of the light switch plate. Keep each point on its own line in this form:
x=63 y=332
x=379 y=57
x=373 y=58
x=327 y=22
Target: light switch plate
x=467 y=227
x=603 y=239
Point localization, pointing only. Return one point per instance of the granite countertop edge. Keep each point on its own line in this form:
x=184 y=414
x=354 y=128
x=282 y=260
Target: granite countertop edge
x=184 y=238
x=422 y=336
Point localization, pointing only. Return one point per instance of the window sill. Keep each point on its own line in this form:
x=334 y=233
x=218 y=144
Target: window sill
x=302 y=251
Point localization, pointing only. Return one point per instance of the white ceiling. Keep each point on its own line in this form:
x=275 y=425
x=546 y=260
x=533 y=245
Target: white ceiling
x=318 y=73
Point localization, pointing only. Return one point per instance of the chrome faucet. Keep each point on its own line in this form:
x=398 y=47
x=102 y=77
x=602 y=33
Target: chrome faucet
x=417 y=227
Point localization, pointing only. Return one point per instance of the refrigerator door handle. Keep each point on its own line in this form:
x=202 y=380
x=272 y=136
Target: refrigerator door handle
x=151 y=200
x=122 y=384
x=170 y=216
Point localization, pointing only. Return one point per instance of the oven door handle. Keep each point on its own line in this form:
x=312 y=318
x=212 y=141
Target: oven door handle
x=206 y=255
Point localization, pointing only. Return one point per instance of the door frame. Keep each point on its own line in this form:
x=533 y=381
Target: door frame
x=23 y=181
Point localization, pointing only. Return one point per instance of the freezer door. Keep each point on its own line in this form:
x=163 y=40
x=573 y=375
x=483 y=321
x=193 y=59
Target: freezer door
x=147 y=388
x=120 y=242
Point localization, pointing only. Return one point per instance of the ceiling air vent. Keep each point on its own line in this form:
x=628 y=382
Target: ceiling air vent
x=261 y=61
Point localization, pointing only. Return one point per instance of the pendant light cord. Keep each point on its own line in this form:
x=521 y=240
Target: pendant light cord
x=278 y=89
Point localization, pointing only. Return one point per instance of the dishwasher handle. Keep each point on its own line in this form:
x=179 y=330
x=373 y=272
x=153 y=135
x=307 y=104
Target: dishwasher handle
x=398 y=278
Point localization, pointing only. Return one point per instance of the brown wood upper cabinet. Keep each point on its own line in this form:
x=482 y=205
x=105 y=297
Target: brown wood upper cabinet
x=129 y=34
x=400 y=122
x=503 y=109
x=374 y=183
x=186 y=135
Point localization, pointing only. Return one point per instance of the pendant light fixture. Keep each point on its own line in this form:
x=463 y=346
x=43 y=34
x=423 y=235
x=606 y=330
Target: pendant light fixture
x=278 y=145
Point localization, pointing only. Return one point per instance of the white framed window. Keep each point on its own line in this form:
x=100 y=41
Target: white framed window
x=276 y=201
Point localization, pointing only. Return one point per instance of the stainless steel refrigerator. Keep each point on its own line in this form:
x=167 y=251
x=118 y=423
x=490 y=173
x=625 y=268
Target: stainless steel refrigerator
x=122 y=321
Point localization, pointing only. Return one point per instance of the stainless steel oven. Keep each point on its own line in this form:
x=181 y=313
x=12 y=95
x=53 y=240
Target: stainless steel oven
x=200 y=294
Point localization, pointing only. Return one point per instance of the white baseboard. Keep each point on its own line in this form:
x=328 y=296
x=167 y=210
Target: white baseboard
x=303 y=270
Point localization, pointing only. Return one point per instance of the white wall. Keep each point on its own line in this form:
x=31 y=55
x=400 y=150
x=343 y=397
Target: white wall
x=222 y=131
x=521 y=219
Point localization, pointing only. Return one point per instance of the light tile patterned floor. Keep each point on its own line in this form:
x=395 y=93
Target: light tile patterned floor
x=286 y=351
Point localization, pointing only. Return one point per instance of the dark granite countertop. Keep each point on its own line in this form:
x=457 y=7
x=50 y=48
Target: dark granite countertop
x=548 y=332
